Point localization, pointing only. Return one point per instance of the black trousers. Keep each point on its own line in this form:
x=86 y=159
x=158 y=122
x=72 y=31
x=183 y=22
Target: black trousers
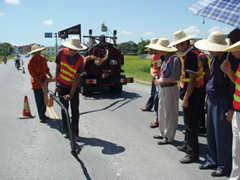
x=202 y=119
x=41 y=107
x=151 y=102
x=74 y=104
x=191 y=123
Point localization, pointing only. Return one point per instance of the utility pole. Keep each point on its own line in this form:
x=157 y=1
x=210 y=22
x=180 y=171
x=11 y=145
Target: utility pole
x=56 y=44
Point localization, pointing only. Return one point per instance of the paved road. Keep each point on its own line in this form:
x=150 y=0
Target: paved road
x=116 y=144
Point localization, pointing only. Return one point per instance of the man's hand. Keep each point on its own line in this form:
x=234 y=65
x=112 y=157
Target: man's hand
x=67 y=97
x=229 y=115
x=226 y=66
x=185 y=103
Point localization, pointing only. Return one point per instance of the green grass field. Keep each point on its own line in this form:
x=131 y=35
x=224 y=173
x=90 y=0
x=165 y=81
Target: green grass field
x=137 y=68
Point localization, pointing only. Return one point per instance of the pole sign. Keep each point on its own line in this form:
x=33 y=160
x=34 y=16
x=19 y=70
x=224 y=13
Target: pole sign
x=48 y=35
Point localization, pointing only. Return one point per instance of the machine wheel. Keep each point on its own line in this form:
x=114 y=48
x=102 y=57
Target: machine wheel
x=117 y=89
x=84 y=91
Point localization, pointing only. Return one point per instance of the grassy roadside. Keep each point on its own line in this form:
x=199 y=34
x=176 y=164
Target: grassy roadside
x=137 y=68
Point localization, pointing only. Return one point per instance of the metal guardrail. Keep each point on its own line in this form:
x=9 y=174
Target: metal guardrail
x=74 y=150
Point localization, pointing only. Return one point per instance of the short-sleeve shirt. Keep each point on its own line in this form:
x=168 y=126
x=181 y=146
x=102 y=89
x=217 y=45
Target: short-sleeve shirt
x=38 y=68
x=219 y=85
x=171 y=67
x=191 y=66
x=71 y=60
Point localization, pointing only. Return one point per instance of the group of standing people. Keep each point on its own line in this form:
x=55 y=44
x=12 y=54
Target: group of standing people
x=197 y=72
x=175 y=65
x=69 y=66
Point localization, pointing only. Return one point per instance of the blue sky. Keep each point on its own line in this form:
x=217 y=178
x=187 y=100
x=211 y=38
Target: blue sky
x=25 y=21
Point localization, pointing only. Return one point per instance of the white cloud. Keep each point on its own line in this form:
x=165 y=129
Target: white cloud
x=48 y=22
x=2 y=14
x=12 y=1
x=149 y=33
x=224 y=30
x=127 y=33
x=192 y=30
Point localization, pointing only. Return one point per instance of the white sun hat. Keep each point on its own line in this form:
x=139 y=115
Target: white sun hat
x=216 y=42
x=35 y=48
x=180 y=36
x=233 y=48
x=152 y=42
x=74 y=44
x=162 y=45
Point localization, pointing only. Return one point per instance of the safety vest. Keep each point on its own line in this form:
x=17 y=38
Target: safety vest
x=200 y=72
x=236 y=96
x=67 y=71
x=156 y=62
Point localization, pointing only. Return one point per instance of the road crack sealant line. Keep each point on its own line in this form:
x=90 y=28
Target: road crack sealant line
x=74 y=150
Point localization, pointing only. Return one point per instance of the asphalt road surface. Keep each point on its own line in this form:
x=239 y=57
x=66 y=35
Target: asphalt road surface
x=116 y=141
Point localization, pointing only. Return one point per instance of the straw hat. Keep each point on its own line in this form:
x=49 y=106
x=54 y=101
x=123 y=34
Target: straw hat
x=162 y=45
x=215 y=42
x=180 y=36
x=74 y=44
x=152 y=42
x=35 y=48
x=233 y=48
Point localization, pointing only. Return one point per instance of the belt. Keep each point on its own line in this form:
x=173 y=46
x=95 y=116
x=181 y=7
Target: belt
x=168 y=85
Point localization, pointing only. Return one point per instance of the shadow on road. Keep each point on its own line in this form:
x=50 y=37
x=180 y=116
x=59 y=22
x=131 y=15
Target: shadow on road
x=106 y=95
x=108 y=147
x=123 y=99
x=55 y=124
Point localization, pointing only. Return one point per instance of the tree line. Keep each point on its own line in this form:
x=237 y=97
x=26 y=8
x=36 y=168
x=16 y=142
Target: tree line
x=127 y=48
x=132 y=48
x=6 y=49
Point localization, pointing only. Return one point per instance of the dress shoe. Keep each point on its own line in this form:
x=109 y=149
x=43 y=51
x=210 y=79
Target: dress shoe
x=65 y=135
x=163 y=141
x=154 y=124
x=145 y=109
x=157 y=137
x=43 y=121
x=189 y=159
x=182 y=148
x=218 y=173
x=207 y=165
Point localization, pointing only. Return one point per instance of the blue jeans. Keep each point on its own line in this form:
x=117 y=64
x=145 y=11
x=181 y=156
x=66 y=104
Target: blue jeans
x=41 y=107
x=219 y=135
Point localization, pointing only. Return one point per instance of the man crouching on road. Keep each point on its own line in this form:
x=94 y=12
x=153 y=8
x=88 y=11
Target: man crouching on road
x=69 y=67
x=39 y=71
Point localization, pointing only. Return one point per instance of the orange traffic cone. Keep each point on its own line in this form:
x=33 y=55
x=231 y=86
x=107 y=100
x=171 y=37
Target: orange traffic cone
x=26 y=110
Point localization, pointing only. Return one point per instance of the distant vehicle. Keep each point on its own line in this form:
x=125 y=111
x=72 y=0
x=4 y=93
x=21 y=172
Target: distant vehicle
x=17 y=62
x=103 y=66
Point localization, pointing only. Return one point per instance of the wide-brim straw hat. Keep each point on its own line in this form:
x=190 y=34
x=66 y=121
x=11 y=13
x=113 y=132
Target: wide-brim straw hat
x=152 y=42
x=233 y=48
x=162 y=45
x=36 y=48
x=180 y=36
x=216 y=42
x=74 y=44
